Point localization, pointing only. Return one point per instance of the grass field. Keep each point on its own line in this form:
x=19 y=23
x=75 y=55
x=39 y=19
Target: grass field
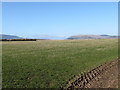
x=50 y=63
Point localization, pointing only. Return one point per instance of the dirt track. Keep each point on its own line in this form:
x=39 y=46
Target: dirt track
x=107 y=79
x=104 y=76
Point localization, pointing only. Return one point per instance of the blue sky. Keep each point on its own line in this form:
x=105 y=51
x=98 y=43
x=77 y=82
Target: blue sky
x=60 y=18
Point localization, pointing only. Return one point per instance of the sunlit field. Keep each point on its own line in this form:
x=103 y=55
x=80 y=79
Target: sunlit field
x=50 y=63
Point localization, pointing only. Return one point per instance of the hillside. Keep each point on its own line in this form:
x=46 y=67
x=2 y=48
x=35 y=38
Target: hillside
x=4 y=36
x=91 y=37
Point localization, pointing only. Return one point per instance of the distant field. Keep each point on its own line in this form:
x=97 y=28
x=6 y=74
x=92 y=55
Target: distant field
x=50 y=63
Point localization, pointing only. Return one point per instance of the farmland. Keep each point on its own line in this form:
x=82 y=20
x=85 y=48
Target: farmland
x=50 y=63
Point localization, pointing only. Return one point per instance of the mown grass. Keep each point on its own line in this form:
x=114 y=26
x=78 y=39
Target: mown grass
x=50 y=63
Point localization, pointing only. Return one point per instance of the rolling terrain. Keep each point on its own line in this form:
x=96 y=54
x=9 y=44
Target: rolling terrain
x=92 y=37
x=4 y=36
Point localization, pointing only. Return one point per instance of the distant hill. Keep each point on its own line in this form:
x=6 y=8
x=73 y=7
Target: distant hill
x=38 y=36
x=4 y=36
x=92 y=37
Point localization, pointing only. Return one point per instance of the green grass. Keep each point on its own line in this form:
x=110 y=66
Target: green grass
x=50 y=63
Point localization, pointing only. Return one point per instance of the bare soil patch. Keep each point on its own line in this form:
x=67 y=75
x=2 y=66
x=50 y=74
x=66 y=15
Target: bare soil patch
x=103 y=76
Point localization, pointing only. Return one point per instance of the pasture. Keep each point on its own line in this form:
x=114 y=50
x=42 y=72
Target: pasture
x=50 y=63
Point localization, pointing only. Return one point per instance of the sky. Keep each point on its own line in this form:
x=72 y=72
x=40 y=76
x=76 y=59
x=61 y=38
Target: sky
x=59 y=18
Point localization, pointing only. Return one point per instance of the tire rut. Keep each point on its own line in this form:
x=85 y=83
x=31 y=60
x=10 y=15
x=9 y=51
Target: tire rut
x=103 y=76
